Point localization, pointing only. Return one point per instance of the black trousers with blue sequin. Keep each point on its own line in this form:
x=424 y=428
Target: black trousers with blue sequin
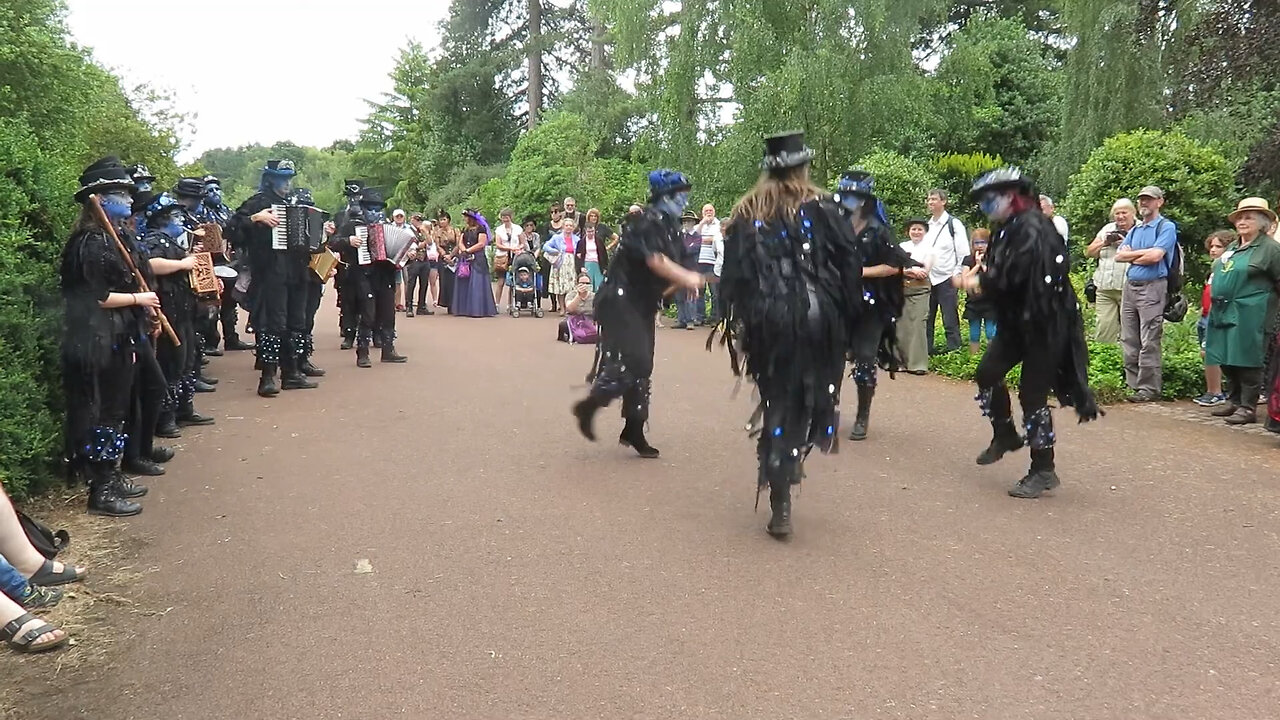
x=1040 y=360
x=627 y=338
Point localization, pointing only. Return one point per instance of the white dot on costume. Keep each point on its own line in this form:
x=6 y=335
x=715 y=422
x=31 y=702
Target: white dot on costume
x=1058 y=259
x=872 y=301
x=805 y=246
x=837 y=198
x=795 y=452
x=619 y=291
x=1048 y=279
x=831 y=388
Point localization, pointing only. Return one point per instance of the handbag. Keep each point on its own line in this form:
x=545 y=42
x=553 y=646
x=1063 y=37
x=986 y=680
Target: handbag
x=464 y=268
x=47 y=542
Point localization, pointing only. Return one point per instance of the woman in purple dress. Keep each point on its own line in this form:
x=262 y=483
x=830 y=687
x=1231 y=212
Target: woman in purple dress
x=472 y=296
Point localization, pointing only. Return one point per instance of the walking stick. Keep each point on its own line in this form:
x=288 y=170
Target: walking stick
x=137 y=275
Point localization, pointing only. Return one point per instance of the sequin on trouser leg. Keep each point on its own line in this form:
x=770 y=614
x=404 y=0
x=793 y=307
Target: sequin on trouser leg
x=1039 y=427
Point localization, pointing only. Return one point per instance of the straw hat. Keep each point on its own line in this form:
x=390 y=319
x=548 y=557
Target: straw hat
x=1253 y=204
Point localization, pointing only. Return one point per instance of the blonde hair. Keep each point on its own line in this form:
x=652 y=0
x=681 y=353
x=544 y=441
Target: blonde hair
x=777 y=193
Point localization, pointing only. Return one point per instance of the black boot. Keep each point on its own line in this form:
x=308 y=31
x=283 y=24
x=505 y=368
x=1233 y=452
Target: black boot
x=125 y=487
x=389 y=354
x=211 y=351
x=377 y=339
x=1040 y=479
x=1004 y=439
x=161 y=454
x=167 y=427
x=408 y=312
x=348 y=340
x=142 y=466
x=863 y=418
x=187 y=416
x=104 y=498
x=780 y=504
x=306 y=368
x=235 y=343
x=291 y=378
x=633 y=437
x=362 y=357
x=267 y=382
x=585 y=411
x=203 y=385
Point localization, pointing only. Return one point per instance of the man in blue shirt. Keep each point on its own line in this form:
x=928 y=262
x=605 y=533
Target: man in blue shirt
x=1149 y=250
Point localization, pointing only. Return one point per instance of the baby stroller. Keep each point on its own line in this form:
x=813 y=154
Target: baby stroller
x=524 y=285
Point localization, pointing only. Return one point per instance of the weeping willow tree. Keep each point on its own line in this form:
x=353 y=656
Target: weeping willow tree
x=720 y=74
x=1116 y=76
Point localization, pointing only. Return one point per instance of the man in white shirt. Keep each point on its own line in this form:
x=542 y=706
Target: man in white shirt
x=709 y=255
x=1060 y=223
x=950 y=243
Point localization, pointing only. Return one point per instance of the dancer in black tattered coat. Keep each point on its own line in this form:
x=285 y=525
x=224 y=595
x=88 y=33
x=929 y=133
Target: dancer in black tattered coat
x=790 y=295
x=1041 y=327
x=642 y=269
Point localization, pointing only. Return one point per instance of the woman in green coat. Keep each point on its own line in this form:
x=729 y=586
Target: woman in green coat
x=1246 y=289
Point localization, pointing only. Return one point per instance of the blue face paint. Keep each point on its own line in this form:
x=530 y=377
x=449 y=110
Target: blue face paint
x=213 y=197
x=117 y=205
x=994 y=205
x=851 y=202
x=374 y=215
x=673 y=204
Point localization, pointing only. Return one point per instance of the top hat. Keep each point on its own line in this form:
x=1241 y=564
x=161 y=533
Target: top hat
x=351 y=188
x=372 y=197
x=785 y=150
x=212 y=180
x=282 y=168
x=140 y=173
x=104 y=175
x=667 y=182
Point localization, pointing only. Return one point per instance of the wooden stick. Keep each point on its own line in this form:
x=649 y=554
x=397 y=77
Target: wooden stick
x=137 y=275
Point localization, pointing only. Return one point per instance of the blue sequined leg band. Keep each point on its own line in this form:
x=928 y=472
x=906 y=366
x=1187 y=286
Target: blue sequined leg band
x=1039 y=426
x=864 y=374
x=613 y=379
x=299 y=342
x=364 y=338
x=105 y=445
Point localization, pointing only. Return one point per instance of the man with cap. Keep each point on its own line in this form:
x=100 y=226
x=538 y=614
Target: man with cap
x=213 y=210
x=279 y=297
x=1028 y=282
x=369 y=290
x=790 y=296
x=626 y=304
x=107 y=314
x=874 y=338
x=1150 y=250
x=165 y=245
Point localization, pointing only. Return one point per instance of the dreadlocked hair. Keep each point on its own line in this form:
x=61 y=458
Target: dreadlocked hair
x=777 y=193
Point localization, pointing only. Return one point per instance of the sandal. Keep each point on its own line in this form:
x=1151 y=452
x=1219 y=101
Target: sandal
x=47 y=577
x=27 y=642
x=37 y=597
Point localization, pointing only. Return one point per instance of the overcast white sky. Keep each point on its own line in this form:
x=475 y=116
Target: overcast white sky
x=335 y=54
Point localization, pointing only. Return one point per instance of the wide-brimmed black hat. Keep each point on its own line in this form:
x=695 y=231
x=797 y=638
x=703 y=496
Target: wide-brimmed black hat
x=785 y=150
x=351 y=188
x=857 y=182
x=915 y=221
x=688 y=215
x=1002 y=179
x=189 y=187
x=104 y=175
x=141 y=173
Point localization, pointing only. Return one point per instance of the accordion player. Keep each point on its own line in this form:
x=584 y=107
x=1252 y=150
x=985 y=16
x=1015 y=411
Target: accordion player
x=301 y=226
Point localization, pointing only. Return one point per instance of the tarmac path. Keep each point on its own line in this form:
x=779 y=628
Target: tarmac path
x=519 y=571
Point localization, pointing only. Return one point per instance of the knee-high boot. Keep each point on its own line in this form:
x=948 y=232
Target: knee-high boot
x=995 y=404
x=1043 y=475
x=862 y=420
x=635 y=410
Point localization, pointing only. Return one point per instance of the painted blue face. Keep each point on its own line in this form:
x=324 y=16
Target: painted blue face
x=994 y=205
x=375 y=215
x=144 y=186
x=117 y=204
x=281 y=186
x=852 y=202
x=673 y=204
x=213 y=195
x=172 y=225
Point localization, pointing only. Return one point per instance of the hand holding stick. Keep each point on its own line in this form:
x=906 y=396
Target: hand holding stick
x=137 y=275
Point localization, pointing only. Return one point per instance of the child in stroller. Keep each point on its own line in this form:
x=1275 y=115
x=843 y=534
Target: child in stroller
x=524 y=285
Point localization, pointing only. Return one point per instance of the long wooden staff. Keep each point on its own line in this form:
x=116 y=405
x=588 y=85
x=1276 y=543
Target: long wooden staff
x=128 y=259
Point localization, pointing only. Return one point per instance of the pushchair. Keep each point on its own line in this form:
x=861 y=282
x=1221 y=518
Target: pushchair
x=524 y=285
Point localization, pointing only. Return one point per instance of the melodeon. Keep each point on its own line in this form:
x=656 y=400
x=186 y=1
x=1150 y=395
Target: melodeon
x=214 y=243
x=373 y=243
x=399 y=242
x=322 y=264
x=204 y=283
x=301 y=226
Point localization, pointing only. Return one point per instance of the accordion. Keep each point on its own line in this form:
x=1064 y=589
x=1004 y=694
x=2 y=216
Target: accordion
x=204 y=282
x=373 y=243
x=301 y=226
x=399 y=242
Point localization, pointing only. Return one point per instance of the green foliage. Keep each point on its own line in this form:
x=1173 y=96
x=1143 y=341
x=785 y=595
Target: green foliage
x=1197 y=181
x=957 y=173
x=999 y=90
x=902 y=184
x=240 y=170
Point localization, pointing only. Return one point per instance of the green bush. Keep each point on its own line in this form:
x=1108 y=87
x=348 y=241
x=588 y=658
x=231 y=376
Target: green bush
x=901 y=184
x=956 y=173
x=1197 y=180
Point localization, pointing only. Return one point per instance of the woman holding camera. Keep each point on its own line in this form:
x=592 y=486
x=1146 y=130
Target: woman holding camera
x=1108 y=279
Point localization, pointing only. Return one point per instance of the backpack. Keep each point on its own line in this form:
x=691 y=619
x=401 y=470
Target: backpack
x=47 y=542
x=1175 y=306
